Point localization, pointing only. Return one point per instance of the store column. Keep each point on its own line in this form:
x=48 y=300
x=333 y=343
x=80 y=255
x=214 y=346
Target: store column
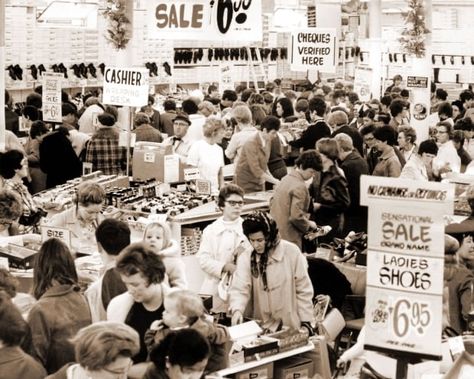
x=2 y=76
x=375 y=43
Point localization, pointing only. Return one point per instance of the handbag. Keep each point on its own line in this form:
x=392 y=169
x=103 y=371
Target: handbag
x=223 y=286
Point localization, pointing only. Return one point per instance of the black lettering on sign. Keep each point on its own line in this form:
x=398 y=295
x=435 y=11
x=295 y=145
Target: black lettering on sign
x=226 y=9
x=182 y=16
x=55 y=234
x=133 y=78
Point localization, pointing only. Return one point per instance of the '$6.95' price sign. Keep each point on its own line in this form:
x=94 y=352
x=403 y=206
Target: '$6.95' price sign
x=407 y=315
x=406 y=324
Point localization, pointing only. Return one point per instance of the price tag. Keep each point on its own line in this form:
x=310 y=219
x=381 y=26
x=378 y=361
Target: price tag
x=63 y=234
x=456 y=345
x=149 y=157
x=4 y=263
x=23 y=125
x=95 y=120
x=86 y=168
x=203 y=187
x=191 y=174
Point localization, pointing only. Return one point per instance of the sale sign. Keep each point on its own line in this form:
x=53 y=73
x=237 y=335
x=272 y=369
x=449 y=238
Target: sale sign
x=126 y=86
x=203 y=20
x=405 y=264
x=313 y=49
x=363 y=82
x=52 y=97
x=413 y=230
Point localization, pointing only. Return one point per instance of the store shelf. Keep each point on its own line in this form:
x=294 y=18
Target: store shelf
x=271 y=358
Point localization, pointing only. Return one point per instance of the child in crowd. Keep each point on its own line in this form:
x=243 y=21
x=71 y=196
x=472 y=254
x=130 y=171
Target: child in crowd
x=158 y=236
x=184 y=309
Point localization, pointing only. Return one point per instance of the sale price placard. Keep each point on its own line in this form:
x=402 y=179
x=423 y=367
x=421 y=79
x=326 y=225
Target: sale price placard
x=52 y=97
x=403 y=322
x=405 y=264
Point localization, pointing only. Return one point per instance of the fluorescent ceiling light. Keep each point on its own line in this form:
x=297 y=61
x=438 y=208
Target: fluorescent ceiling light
x=286 y=19
x=65 y=14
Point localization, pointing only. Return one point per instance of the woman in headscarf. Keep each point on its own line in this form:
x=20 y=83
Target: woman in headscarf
x=273 y=276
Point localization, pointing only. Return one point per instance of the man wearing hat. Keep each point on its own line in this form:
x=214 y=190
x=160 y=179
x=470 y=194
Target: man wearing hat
x=180 y=141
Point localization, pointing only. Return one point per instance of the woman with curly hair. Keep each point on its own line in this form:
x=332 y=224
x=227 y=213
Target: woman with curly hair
x=14 y=168
x=274 y=276
x=11 y=209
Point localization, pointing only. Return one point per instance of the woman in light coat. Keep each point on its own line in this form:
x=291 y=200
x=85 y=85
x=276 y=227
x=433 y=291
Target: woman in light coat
x=273 y=276
x=221 y=243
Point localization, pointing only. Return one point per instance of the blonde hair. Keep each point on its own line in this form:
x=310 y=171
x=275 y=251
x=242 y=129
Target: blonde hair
x=101 y=343
x=163 y=226
x=212 y=125
x=188 y=304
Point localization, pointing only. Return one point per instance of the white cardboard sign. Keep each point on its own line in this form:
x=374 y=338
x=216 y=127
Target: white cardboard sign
x=313 y=49
x=203 y=20
x=63 y=234
x=126 y=86
x=52 y=97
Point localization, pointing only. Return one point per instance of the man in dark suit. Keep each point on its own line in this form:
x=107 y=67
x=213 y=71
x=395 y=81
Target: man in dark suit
x=353 y=166
x=58 y=158
x=339 y=121
x=315 y=131
x=11 y=118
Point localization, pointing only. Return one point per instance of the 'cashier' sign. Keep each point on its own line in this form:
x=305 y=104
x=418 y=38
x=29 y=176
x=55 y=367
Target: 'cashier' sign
x=126 y=86
x=313 y=49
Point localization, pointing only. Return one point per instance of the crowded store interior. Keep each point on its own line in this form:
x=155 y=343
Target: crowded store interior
x=246 y=189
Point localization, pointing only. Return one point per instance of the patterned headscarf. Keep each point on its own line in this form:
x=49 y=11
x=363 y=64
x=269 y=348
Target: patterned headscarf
x=261 y=221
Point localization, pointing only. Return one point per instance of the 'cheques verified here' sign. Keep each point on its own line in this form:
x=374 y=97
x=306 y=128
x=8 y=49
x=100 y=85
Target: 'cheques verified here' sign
x=313 y=49
x=405 y=264
x=126 y=86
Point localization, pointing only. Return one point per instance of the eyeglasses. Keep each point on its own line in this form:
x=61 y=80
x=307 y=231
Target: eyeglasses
x=121 y=371
x=441 y=132
x=369 y=139
x=235 y=203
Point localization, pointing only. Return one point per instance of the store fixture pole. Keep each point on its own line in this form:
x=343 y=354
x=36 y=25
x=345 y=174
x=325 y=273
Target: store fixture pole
x=375 y=53
x=2 y=76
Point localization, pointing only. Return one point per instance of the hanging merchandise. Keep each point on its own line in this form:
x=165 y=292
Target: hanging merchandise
x=413 y=37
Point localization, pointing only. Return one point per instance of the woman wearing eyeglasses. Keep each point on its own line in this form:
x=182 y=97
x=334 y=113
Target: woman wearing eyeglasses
x=271 y=280
x=104 y=350
x=83 y=218
x=221 y=243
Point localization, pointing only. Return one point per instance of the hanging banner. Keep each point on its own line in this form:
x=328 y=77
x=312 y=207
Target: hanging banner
x=204 y=20
x=52 y=97
x=126 y=86
x=363 y=82
x=405 y=264
x=313 y=49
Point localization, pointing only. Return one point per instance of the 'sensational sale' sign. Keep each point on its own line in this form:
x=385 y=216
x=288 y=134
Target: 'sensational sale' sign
x=126 y=86
x=313 y=49
x=52 y=97
x=219 y=20
x=405 y=264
